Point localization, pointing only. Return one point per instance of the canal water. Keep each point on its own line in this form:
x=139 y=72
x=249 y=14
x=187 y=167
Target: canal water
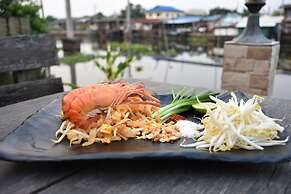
x=196 y=75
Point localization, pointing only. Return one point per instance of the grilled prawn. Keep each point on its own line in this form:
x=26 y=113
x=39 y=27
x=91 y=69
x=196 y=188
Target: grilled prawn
x=79 y=103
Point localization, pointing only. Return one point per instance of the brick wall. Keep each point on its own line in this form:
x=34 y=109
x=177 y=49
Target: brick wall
x=250 y=68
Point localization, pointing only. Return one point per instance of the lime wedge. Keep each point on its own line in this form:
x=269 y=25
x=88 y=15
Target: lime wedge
x=201 y=107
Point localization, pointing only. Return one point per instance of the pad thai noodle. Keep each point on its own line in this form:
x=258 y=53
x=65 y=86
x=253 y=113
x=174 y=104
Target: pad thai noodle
x=109 y=112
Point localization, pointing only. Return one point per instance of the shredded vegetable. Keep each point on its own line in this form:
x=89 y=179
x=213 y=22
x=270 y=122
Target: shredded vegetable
x=189 y=129
x=237 y=125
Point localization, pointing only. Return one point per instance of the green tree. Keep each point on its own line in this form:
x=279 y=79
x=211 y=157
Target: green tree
x=98 y=16
x=221 y=11
x=50 y=18
x=4 y=4
x=137 y=11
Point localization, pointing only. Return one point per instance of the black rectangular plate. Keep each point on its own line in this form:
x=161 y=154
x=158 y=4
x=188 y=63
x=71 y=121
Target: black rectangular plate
x=32 y=142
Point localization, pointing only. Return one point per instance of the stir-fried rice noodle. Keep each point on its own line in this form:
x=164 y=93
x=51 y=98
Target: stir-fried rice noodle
x=235 y=125
x=127 y=120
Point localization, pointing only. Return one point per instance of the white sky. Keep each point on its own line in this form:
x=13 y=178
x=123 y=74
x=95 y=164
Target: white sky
x=89 y=7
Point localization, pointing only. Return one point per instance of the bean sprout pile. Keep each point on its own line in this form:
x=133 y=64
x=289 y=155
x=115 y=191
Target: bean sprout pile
x=237 y=125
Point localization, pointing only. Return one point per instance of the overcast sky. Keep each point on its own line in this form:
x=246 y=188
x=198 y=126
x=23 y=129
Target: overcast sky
x=89 y=7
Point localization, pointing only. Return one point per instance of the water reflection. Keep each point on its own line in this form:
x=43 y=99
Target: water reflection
x=201 y=76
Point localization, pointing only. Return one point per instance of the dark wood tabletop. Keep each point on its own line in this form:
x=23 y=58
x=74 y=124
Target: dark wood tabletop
x=139 y=176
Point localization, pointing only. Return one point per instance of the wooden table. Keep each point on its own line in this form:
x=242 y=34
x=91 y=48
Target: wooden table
x=138 y=176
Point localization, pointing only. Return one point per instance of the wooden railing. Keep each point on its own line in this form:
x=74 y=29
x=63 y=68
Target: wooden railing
x=23 y=57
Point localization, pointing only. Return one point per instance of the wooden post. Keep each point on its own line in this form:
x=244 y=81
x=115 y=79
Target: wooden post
x=73 y=74
x=41 y=7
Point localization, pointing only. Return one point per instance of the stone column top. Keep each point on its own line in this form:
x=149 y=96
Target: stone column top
x=252 y=44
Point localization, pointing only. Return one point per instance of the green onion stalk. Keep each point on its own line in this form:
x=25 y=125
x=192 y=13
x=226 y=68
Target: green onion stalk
x=182 y=103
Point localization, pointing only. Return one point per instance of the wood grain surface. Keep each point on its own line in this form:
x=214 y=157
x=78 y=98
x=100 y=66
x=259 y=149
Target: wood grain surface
x=27 y=52
x=139 y=176
x=14 y=93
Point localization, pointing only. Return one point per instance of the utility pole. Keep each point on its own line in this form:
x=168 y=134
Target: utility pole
x=128 y=23
x=70 y=44
x=69 y=20
x=95 y=9
x=41 y=7
x=237 y=6
x=127 y=34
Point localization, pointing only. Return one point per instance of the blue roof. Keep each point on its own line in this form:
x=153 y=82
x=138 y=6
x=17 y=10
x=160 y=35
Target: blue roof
x=184 y=20
x=164 y=9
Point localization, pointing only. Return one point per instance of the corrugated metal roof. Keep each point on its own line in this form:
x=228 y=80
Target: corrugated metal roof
x=193 y=19
x=228 y=20
x=160 y=8
x=212 y=18
x=184 y=20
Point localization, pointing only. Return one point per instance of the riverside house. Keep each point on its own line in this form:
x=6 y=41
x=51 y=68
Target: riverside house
x=164 y=13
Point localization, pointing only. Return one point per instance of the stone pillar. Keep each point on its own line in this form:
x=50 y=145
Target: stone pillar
x=14 y=26
x=250 y=67
x=25 y=25
x=3 y=27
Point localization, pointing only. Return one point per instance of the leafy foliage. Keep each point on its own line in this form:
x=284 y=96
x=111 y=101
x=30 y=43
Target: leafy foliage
x=111 y=68
x=221 y=11
x=4 y=4
x=137 y=11
x=76 y=58
x=50 y=18
x=99 y=16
